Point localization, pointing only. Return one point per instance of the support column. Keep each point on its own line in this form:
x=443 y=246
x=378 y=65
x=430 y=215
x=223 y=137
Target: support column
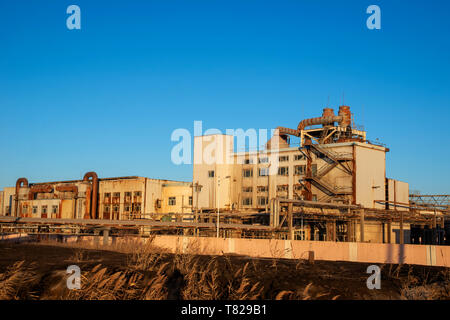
x=389 y=231
x=291 y=221
x=402 y=234
x=105 y=237
x=361 y=213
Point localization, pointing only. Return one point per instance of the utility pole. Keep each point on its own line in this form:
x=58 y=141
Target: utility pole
x=217 y=198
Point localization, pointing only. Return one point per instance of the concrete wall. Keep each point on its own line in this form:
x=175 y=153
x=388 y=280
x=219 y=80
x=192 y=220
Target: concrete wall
x=181 y=192
x=291 y=249
x=370 y=175
x=375 y=253
x=8 y=200
x=213 y=153
x=398 y=191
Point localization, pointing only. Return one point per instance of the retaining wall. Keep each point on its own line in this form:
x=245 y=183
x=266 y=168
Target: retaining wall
x=293 y=249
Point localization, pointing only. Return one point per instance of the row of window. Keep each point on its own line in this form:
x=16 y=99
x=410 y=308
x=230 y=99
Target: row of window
x=116 y=195
x=280 y=188
x=173 y=201
x=297 y=157
x=44 y=209
x=262 y=201
x=135 y=207
x=282 y=171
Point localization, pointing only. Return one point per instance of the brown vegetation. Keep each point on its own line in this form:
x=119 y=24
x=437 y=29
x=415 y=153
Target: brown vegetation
x=147 y=272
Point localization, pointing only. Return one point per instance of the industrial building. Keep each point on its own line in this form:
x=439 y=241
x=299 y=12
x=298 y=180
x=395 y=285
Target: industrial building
x=334 y=169
x=121 y=198
x=332 y=186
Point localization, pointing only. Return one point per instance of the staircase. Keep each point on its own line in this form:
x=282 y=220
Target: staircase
x=332 y=160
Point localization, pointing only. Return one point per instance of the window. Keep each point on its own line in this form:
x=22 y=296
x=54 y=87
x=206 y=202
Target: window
x=172 y=201
x=44 y=209
x=247 y=201
x=283 y=158
x=24 y=208
x=54 y=209
x=283 y=171
x=247 y=173
x=107 y=196
x=115 y=209
x=263 y=172
x=282 y=188
x=247 y=189
x=136 y=207
x=262 y=188
x=248 y=161
x=190 y=200
x=299 y=170
x=106 y=209
x=263 y=160
x=262 y=201
x=298 y=187
x=299 y=157
x=127 y=198
x=8 y=210
x=35 y=209
x=126 y=208
x=116 y=194
x=211 y=173
x=314 y=197
x=137 y=193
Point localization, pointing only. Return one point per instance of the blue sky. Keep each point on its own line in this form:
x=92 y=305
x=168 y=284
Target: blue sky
x=107 y=97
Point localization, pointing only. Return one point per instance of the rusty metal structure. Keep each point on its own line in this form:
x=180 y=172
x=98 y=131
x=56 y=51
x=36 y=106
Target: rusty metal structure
x=93 y=192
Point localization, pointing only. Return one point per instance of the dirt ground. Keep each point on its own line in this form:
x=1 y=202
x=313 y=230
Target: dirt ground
x=278 y=279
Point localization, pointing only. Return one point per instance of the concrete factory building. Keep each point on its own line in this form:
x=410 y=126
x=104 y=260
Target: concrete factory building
x=121 y=198
x=334 y=164
x=340 y=167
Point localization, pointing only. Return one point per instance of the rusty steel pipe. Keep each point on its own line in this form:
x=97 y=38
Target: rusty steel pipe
x=320 y=120
x=94 y=195
x=287 y=131
x=21 y=182
x=67 y=188
x=39 y=189
x=344 y=118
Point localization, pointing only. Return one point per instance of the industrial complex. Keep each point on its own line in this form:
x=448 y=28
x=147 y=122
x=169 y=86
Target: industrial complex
x=330 y=187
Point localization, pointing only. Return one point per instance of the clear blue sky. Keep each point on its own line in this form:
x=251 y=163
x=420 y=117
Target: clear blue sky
x=107 y=97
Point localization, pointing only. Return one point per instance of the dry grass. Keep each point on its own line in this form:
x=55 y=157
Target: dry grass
x=16 y=282
x=308 y=293
x=425 y=287
x=153 y=274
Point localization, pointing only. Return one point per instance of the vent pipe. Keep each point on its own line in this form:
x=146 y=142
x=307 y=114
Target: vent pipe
x=94 y=195
x=20 y=183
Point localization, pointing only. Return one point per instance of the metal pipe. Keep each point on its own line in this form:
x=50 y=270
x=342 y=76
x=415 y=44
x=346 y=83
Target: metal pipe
x=21 y=182
x=39 y=189
x=94 y=195
x=328 y=118
x=320 y=120
x=67 y=188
